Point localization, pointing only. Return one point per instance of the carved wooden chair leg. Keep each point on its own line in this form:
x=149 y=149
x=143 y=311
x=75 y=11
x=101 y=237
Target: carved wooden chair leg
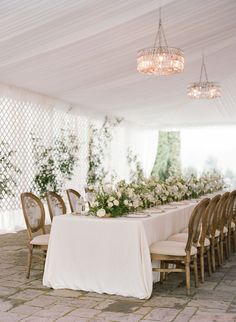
x=196 y=272
x=187 y=273
x=213 y=258
x=161 y=273
x=209 y=262
x=29 y=262
x=202 y=263
x=218 y=247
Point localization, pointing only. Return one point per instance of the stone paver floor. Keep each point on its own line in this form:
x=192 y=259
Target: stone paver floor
x=24 y=299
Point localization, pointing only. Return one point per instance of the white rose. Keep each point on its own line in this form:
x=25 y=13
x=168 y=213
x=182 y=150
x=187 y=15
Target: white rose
x=101 y=212
x=111 y=198
x=110 y=204
x=126 y=202
x=116 y=202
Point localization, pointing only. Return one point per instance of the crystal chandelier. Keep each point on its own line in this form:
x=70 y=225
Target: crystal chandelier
x=160 y=59
x=203 y=89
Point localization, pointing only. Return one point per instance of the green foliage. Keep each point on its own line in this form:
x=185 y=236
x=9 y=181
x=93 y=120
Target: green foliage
x=8 y=170
x=135 y=167
x=54 y=164
x=99 y=141
x=167 y=161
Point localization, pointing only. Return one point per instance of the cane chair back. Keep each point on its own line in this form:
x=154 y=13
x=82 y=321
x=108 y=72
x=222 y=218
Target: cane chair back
x=231 y=208
x=222 y=211
x=75 y=200
x=208 y=221
x=194 y=225
x=56 y=204
x=34 y=213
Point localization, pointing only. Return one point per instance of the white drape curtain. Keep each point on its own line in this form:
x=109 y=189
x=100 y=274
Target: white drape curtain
x=22 y=112
x=142 y=141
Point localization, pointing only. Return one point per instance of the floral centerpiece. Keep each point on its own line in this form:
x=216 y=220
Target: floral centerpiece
x=109 y=201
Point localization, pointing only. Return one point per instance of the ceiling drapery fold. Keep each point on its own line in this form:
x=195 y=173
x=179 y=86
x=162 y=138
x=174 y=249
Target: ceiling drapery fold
x=84 y=53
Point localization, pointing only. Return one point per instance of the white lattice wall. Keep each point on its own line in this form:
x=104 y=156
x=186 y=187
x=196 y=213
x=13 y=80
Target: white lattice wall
x=18 y=119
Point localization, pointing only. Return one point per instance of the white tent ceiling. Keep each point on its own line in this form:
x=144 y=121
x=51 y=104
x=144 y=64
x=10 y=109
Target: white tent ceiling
x=84 y=52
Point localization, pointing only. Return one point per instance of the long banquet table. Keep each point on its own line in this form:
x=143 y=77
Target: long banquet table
x=109 y=255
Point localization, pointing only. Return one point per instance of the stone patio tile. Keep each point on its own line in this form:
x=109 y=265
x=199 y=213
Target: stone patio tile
x=42 y=301
x=65 y=293
x=104 y=304
x=8 y=283
x=10 y=317
x=55 y=311
x=70 y=318
x=162 y=314
x=85 y=304
x=221 y=305
x=211 y=317
x=5 y=305
x=144 y=310
x=37 y=319
x=123 y=306
x=25 y=309
x=186 y=314
x=165 y=301
x=214 y=295
x=119 y=317
x=27 y=294
x=85 y=313
x=7 y=291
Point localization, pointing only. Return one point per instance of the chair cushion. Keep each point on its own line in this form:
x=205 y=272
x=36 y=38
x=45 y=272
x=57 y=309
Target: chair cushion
x=40 y=240
x=183 y=237
x=171 y=248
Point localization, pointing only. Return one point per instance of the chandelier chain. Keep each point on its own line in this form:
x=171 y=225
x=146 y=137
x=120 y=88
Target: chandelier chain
x=160 y=34
x=203 y=69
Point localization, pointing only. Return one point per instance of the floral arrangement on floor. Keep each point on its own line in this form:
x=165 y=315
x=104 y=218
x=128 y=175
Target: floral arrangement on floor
x=123 y=198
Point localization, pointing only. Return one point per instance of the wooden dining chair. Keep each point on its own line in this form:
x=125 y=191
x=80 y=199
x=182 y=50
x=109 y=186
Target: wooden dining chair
x=56 y=204
x=34 y=215
x=230 y=224
x=211 y=232
x=76 y=201
x=222 y=225
x=178 y=252
x=203 y=245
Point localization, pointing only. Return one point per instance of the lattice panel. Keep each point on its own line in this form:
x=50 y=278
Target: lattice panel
x=18 y=119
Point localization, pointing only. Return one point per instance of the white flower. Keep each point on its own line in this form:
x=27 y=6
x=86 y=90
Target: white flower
x=118 y=194
x=116 y=202
x=126 y=202
x=94 y=204
x=110 y=204
x=101 y=212
x=111 y=198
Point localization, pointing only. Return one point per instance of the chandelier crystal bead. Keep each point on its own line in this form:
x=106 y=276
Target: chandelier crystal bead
x=204 y=89
x=160 y=59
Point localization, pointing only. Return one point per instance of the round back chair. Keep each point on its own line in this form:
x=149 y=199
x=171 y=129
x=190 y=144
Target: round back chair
x=56 y=204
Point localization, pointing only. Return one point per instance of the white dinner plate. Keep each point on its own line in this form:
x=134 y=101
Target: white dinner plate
x=168 y=207
x=138 y=215
x=155 y=211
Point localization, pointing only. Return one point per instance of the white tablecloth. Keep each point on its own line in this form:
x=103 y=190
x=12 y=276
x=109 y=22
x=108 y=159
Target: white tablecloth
x=109 y=255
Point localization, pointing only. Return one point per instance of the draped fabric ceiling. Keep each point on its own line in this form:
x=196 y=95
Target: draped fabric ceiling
x=84 y=52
